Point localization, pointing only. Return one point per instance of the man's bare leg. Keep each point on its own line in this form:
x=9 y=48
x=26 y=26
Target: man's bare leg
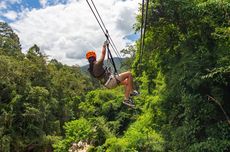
x=127 y=80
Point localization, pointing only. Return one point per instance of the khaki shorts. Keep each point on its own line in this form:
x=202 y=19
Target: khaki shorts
x=112 y=82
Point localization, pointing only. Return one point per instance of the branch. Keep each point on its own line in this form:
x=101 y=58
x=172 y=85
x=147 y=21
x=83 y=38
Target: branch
x=217 y=102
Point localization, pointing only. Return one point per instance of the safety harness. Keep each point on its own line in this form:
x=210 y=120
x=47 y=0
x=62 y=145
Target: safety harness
x=100 y=76
x=97 y=76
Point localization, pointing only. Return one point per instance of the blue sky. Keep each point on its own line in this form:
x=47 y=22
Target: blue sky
x=66 y=29
x=19 y=5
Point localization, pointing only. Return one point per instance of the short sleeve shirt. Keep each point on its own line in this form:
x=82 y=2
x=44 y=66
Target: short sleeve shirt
x=98 y=69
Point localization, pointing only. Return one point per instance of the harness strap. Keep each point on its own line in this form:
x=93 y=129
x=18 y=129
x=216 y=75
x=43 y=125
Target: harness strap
x=111 y=82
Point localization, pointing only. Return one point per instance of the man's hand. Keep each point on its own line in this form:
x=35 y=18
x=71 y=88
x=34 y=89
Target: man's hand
x=105 y=43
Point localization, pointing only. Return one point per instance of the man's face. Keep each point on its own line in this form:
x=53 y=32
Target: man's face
x=91 y=59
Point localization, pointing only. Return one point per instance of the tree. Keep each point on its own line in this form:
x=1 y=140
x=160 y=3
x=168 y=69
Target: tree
x=9 y=41
x=186 y=46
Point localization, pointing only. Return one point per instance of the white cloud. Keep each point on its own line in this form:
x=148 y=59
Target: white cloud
x=3 y=5
x=66 y=32
x=12 y=15
x=43 y=3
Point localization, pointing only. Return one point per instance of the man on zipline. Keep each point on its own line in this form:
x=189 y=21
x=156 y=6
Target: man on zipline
x=108 y=79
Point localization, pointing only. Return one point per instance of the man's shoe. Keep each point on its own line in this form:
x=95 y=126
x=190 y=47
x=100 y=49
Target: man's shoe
x=134 y=93
x=129 y=102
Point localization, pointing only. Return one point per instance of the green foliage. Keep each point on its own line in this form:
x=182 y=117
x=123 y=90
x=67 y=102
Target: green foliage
x=185 y=61
x=218 y=139
x=139 y=137
x=130 y=51
x=109 y=118
x=78 y=129
x=75 y=131
x=36 y=97
x=186 y=58
x=9 y=41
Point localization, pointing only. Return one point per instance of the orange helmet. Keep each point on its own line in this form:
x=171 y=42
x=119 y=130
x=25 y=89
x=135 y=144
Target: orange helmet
x=90 y=53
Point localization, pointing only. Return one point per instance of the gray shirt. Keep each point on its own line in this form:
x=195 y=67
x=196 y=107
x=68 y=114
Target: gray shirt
x=98 y=69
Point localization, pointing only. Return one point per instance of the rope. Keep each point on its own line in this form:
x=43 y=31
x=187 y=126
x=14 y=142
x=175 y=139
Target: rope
x=99 y=16
x=95 y=17
x=221 y=107
x=115 y=50
x=111 y=58
x=105 y=31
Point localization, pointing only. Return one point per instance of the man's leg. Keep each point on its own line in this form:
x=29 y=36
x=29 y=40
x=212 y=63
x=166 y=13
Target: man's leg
x=127 y=80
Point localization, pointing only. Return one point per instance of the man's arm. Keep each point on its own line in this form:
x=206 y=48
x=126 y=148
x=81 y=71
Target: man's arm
x=103 y=53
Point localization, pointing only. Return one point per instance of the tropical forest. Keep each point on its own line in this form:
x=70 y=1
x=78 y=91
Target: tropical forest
x=180 y=66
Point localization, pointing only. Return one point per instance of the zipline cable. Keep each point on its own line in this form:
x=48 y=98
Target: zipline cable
x=105 y=31
x=95 y=17
x=115 y=50
x=99 y=16
x=111 y=58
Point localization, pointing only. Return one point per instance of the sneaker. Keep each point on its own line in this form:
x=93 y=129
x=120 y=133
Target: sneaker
x=129 y=102
x=134 y=93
